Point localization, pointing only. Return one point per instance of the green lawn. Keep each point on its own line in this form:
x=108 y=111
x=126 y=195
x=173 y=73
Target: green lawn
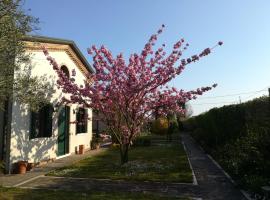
x=166 y=163
x=27 y=194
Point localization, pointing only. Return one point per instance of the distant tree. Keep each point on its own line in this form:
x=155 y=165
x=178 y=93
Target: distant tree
x=127 y=93
x=14 y=25
x=172 y=125
x=160 y=126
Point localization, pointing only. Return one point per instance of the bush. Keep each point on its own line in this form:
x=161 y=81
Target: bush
x=188 y=124
x=238 y=137
x=144 y=140
x=175 y=126
x=160 y=126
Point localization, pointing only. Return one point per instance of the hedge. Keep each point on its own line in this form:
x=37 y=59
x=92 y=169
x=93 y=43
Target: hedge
x=238 y=137
x=144 y=140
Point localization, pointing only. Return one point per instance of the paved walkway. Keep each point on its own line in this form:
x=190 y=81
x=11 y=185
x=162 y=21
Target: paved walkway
x=13 y=180
x=212 y=183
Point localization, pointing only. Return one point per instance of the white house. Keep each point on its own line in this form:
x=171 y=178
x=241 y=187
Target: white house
x=48 y=134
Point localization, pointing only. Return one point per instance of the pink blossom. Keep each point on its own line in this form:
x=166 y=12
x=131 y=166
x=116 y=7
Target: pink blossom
x=127 y=94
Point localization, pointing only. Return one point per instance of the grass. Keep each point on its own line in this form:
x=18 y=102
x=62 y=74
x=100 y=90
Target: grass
x=27 y=194
x=166 y=163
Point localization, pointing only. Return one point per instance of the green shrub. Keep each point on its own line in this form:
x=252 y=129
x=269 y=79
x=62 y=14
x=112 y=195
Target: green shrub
x=144 y=140
x=174 y=125
x=189 y=124
x=238 y=137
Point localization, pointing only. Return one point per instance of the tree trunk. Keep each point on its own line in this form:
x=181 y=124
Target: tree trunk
x=124 y=153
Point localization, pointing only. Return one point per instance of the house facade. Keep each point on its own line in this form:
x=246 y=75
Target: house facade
x=49 y=133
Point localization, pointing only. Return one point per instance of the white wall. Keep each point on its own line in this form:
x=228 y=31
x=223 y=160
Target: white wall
x=38 y=149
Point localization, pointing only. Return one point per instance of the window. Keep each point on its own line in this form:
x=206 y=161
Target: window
x=64 y=69
x=41 y=122
x=82 y=121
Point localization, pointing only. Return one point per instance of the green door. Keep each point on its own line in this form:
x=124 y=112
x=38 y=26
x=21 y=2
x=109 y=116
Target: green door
x=63 y=131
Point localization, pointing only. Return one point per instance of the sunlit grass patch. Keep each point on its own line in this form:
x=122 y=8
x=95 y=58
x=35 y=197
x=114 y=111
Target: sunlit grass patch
x=166 y=163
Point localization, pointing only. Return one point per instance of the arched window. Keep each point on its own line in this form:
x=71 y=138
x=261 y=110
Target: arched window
x=64 y=69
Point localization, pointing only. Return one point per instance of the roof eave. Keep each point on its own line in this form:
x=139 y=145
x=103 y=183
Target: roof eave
x=71 y=43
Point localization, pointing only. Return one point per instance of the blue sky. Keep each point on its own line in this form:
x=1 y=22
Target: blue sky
x=241 y=65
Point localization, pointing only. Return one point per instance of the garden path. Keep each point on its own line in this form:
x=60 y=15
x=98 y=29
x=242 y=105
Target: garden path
x=13 y=180
x=212 y=182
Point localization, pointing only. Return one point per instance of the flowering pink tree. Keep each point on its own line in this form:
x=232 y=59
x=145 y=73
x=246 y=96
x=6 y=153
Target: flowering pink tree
x=128 y=93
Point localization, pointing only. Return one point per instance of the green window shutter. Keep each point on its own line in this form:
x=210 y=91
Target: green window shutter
x=49 y=118
x=85 y=120
x=67 y=117
x=77 y=121
x=34 y=125
x=41 y=122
